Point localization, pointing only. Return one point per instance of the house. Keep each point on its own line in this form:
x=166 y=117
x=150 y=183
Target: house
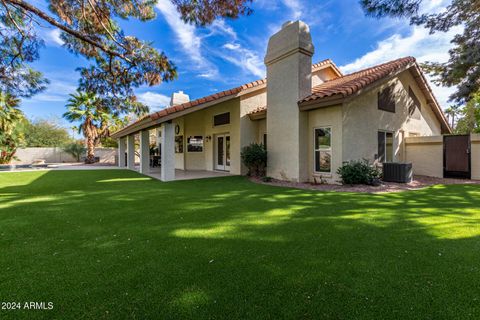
x=311 y=117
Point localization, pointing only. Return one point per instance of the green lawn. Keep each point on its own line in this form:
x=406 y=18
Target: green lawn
x=113 y=244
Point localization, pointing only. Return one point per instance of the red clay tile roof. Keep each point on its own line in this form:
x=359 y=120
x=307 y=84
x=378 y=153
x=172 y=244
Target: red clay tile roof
x=326 y=62
x=352 y=83
x=213 y=97
x=258 y=110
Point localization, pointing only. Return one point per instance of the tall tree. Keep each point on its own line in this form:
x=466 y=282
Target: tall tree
x=463 y=67
x=452 y=112
x=90 y=28
x=45 y=133
x=10 y=117
x=470 y=120
x=84 y=107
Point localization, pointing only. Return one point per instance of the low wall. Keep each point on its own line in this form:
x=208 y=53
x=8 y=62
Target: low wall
x=426 y=155
x=475 y=156
x=57 y=155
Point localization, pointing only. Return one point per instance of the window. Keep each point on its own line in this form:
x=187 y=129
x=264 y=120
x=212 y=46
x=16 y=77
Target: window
x=221 y=119
x=386 y=99
x=414 y=107
x=195 y=144
x=385 y=146
x=265 y=140
x=323 y=149
x=179 y=144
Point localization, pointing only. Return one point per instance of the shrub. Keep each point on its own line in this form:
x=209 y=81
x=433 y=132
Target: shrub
x=77 y=150
x=359 y=172
x=254 y=157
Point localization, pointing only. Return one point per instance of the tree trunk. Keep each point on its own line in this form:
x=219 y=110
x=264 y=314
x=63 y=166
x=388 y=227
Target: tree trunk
x=90 y=151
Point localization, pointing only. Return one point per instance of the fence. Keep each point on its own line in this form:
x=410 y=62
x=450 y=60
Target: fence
x=57 y=155
x=427 y=155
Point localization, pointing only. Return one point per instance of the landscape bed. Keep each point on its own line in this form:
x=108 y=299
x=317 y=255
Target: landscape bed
x=113 y=244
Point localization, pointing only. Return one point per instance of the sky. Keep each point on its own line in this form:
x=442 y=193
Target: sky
x=229 y=53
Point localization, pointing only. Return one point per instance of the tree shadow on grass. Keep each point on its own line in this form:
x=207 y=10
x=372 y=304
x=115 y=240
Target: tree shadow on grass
x=115 y=244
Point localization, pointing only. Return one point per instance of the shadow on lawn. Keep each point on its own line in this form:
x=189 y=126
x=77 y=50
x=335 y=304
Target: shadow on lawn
x=115 y=244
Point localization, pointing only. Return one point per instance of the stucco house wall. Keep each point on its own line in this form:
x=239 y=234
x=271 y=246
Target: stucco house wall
x=362 y=120
x=326 y=117
x=200 y=123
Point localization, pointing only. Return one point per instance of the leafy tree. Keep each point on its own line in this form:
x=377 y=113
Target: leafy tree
x=10 y=117
x=470 y=120
x=45 y=133
x=463 y=67
x=119 y=62
x=84 y=107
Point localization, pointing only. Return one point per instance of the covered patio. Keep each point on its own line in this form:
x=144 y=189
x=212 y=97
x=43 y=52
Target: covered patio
x=186 y=174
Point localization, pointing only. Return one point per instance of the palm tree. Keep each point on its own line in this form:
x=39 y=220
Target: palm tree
x=84 y=107
x=10 y=117
x=451 y=113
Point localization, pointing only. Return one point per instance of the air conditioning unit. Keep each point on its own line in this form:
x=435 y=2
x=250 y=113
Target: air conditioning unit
x=397 y=172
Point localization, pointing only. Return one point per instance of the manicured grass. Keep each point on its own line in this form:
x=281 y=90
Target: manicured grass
x=113 y=244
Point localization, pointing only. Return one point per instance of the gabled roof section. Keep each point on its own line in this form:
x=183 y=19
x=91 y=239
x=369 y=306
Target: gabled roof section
x=197 y=104
x=354 y=82
x=327 y=63
x=334 y=91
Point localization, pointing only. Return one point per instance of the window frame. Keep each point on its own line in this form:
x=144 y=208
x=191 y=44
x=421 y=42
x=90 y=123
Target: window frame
x=224 y=124
x=385 y=145
x=391 y=97
x=194 y=136
x=322 y=149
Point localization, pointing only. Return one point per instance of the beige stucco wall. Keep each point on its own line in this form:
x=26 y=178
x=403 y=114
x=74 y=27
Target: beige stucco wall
x=362 y=120
x=261 y=130
x=248 y=128
x=200 y=123
x=325 y=117
x=320 y=76
x=475 y=156
x=426 y=155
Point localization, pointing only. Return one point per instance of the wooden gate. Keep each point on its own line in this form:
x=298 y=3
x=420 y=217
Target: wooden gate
x=456 y=157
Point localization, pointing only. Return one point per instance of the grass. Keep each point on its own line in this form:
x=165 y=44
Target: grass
x=112 y=244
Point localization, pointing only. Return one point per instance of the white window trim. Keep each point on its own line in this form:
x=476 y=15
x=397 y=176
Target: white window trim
x=315 y=151
x=385 y=145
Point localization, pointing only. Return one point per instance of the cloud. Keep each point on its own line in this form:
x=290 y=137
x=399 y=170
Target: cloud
x=53 y=37
x=295 y=7
x=57 y=91
x=244 y=58
x=186 y=35
x=419 y=43
x=156 y=101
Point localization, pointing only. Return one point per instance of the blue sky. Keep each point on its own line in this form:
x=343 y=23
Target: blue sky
x=230 y=52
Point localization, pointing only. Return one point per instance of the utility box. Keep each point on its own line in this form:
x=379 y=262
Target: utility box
x=397 y=172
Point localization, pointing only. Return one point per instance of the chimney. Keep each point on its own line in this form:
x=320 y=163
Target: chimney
x=289 y=73
x=179 y=98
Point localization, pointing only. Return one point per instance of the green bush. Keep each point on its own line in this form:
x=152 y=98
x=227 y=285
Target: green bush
x=359 y=172
x=77 y=150
x=254 y=157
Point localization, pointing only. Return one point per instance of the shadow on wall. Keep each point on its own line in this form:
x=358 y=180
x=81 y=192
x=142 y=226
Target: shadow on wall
x=115 y=240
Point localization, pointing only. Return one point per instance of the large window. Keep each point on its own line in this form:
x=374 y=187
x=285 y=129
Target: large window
x=385 y=146
x=323 y=149
x=221 y=119
x=195 y=144
x=414 y=107
x=386 y=99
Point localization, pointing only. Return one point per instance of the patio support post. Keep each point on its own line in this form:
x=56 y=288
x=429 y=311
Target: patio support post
x=121 y=152
x=144 y=151
x=131 y=152
x=168 y=152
